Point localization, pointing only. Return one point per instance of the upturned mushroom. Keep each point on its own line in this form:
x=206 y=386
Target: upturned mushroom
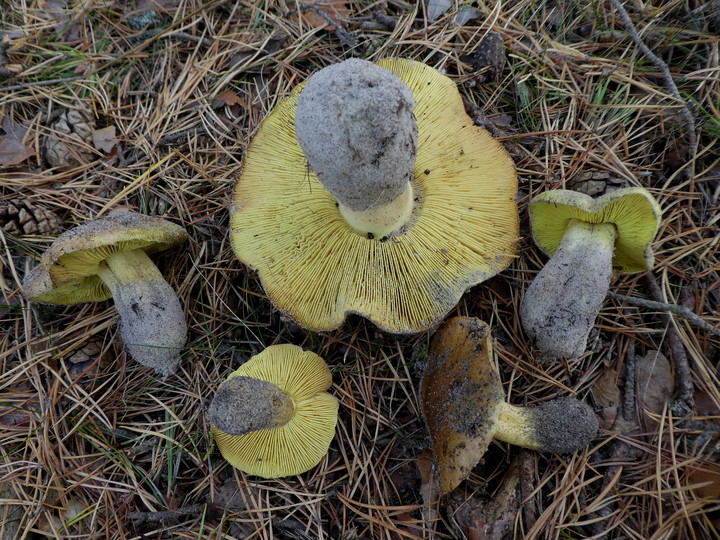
x=369 y=190
x=108 y=258
x=464 y=406
x=272 y=417
x=585 y=239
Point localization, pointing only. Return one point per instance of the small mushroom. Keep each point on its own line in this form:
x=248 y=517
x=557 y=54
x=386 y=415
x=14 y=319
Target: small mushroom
x=107 y=258
x=272 y=416
x=369 y=190
x=585 y=239
x=464 y=406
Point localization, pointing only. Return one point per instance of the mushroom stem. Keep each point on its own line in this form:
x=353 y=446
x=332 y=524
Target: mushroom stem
x=245 y=404
x=514 y=426
x=152 y=323
x=562 y=425
x=382 y=220
x=355 y=125
x=560 y=306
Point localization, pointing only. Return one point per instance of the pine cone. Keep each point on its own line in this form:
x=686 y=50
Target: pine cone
x=596 y=183
x=82 y=360
x=20 y=218
x=71 y=141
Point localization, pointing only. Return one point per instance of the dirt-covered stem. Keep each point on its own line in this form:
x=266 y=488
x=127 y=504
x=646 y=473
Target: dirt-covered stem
x=560 y=306
x=152 y=323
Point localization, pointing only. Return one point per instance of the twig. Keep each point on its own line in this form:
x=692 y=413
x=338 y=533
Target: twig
x=152 y=517
x=342 y=34
x=628 y=407
x=669 y=82
x=176 y=34
x=173 y=138
x=40 y=83
x=611 y=476
x=680 y=311
x=682 y=367
x=526 y=470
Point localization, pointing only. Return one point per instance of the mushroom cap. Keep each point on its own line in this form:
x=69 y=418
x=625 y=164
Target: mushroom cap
x=461 y=397
x=301 y=443
x=317 y=269
x=67 y=273
x=633 y=211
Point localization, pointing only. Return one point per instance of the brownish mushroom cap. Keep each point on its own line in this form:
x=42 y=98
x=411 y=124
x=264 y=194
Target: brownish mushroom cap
x=318 y=268
x=107 y=258
x=464 y=406
x=272 y=417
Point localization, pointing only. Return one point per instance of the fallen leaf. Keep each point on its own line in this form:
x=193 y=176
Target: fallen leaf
x=231 y=496
x=229 y=98
x=606 y=394
x=436 y=9
x=484 y=517
x=467 y=14
x=654 y=384
x=104 y=139
x=336 y=11
x=429 y=488
x=709 y=476
x=605 y=391
x=12 y=149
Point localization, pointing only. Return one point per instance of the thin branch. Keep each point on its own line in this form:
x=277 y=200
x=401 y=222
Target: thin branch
x=680 y=311
x=40 y=83
x=628 y=407
x=667 y=76
x=139 y=518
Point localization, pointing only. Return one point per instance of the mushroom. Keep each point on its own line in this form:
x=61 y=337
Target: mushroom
x=585 y=239
x=272 y=416
x=464 y=406
x=369 y=190
x=107 y=258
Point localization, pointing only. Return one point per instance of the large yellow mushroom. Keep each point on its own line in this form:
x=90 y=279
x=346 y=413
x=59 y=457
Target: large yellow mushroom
x=370 y=191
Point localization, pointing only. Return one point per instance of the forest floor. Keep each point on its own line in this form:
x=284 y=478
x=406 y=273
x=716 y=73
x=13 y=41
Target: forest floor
x=149 y=106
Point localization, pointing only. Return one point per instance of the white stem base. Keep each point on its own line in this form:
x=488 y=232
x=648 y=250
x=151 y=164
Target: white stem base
x=384 y=220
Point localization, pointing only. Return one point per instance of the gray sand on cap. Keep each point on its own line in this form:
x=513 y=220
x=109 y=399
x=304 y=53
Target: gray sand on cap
x=355 y=124
x=245 y=404
x=564 y=425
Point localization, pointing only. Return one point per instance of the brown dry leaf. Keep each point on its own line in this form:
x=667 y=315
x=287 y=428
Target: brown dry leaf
x=104 y=139
x=488 y=518
x=429 y=488
x=231 y=497
x=654 y=382
x=229 y=98
x=12 y=149
x=606 y=394
x=605 y=391
x=336 y=10
x=708 y=475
